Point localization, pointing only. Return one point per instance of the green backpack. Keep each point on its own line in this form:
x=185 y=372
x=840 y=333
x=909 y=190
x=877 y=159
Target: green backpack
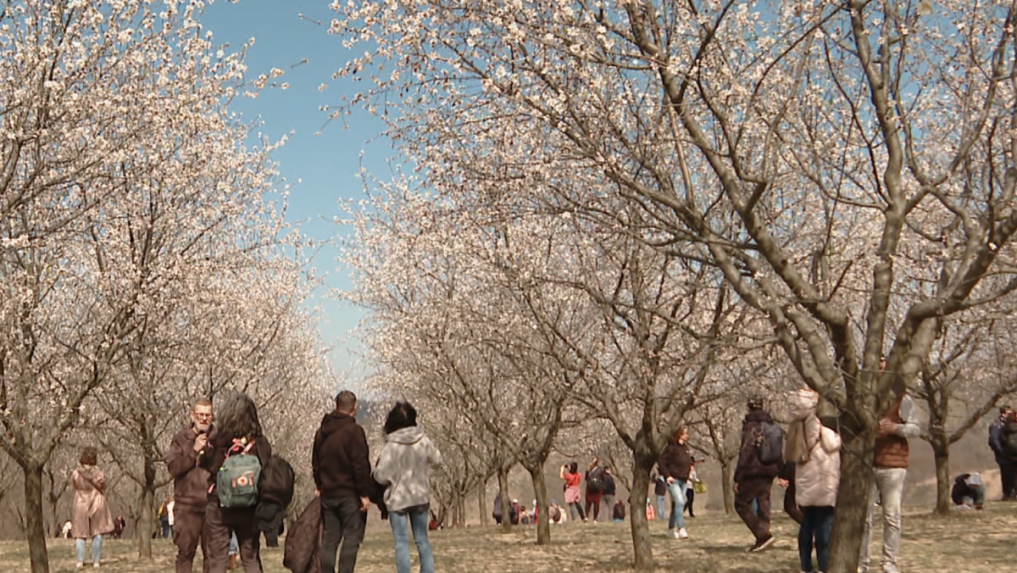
x=237 y=482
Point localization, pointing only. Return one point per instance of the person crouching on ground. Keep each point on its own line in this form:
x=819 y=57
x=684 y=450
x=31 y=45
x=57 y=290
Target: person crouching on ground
x=815 y=451
x=968 y=491
x=239 y=434
x=404 y=467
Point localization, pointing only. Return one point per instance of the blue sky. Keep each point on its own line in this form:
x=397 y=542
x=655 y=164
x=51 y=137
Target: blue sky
x=326 y=164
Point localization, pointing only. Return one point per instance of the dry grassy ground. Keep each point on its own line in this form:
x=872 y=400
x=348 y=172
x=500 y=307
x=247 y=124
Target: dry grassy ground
x=967 y=541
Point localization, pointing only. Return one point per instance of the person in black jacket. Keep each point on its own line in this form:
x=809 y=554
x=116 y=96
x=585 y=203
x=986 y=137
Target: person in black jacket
x=968 y=491
x=1007 y=470
x=342 y=473
x=753 y=478
x=239 y=430
x=675 y=464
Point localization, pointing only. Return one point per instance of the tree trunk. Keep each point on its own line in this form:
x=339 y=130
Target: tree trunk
x=853 y=503
x=540 y=490
x=506 y=501
x=727 y=486
x=145 y=524
x=35 y=529
x=641 y=546
x=941 y=453
x=482 y=503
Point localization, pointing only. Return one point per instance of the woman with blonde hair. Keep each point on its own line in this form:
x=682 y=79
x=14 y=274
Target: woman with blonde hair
x=91 y=517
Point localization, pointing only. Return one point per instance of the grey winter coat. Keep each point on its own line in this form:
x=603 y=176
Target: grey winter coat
x=404 y=468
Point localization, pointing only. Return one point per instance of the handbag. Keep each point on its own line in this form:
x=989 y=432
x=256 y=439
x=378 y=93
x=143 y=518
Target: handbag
x=699 y=486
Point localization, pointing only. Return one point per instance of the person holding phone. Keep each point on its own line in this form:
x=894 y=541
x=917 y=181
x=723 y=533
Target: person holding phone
x=190 y=485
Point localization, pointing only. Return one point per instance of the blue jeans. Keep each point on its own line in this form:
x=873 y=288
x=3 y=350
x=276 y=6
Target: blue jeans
x=79 y=544
x=661 y=511
x=418 y=519
x=817 y=523
x=677 y=519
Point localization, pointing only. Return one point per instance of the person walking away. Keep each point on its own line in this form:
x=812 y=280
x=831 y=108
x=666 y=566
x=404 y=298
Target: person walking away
x=404 y=468
x=890 y=469
x=90 y=517
x=690 y=491
x=675 y=465
x=814 y=450
x=659 y=492
x=610 y=490
x=190 y=486
x=496 y=513
x=164 y=517
x=968 y=491
x=234 y=457
x=342 y=473
x=594 y=489
x=1007 y=470
x=758 y=464
x=573 y=479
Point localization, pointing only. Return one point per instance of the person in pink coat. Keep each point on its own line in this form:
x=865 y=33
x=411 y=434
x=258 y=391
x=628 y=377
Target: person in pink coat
x=815 y=450
x=90 y=517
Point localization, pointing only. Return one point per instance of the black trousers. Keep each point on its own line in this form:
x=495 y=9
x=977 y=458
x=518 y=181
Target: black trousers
x=343 y=522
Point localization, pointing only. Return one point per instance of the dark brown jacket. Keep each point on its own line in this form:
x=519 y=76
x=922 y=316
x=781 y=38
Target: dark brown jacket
x=892 y=450
x=303 y=542
x=675 y=461
x=215 y=455
x=190 y=481
x=749 y=465
x=340 y=460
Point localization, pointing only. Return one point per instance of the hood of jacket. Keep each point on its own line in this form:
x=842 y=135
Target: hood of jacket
x=758 y=416
x=802 y=403
x=407 y=436
x=333 y=421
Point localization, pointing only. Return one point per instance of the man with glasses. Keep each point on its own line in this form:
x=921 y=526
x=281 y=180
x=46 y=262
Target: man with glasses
x=190 y=485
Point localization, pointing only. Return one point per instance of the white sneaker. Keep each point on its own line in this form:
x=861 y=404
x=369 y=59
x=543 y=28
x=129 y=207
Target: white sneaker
x=682 y=534
x=672 y=533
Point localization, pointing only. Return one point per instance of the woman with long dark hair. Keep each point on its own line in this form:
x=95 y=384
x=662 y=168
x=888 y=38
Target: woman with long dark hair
x=239 y=435
x=404 y=468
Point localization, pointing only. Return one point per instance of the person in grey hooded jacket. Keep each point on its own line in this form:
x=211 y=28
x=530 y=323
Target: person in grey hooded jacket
x=404 y=468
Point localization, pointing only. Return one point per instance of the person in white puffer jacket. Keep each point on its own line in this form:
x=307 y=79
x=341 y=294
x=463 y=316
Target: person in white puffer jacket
x=404 y=468
x=815 y=449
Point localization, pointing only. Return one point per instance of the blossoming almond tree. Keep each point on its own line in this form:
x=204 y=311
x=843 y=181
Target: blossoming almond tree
x=111 y=114
x=805 y=146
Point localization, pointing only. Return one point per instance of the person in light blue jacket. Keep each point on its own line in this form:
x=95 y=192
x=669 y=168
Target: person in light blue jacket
x=404 y=468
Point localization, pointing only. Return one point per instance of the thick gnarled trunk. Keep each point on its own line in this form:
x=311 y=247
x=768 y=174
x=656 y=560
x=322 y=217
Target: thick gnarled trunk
x=641 y=545
x=852 y=503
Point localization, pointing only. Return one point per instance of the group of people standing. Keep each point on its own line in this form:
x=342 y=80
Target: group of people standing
x=806 y=458
x=600 y=489
x=345 y=480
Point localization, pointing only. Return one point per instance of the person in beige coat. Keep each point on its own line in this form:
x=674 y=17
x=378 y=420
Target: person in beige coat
x=90 y=517
x=815 y=451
